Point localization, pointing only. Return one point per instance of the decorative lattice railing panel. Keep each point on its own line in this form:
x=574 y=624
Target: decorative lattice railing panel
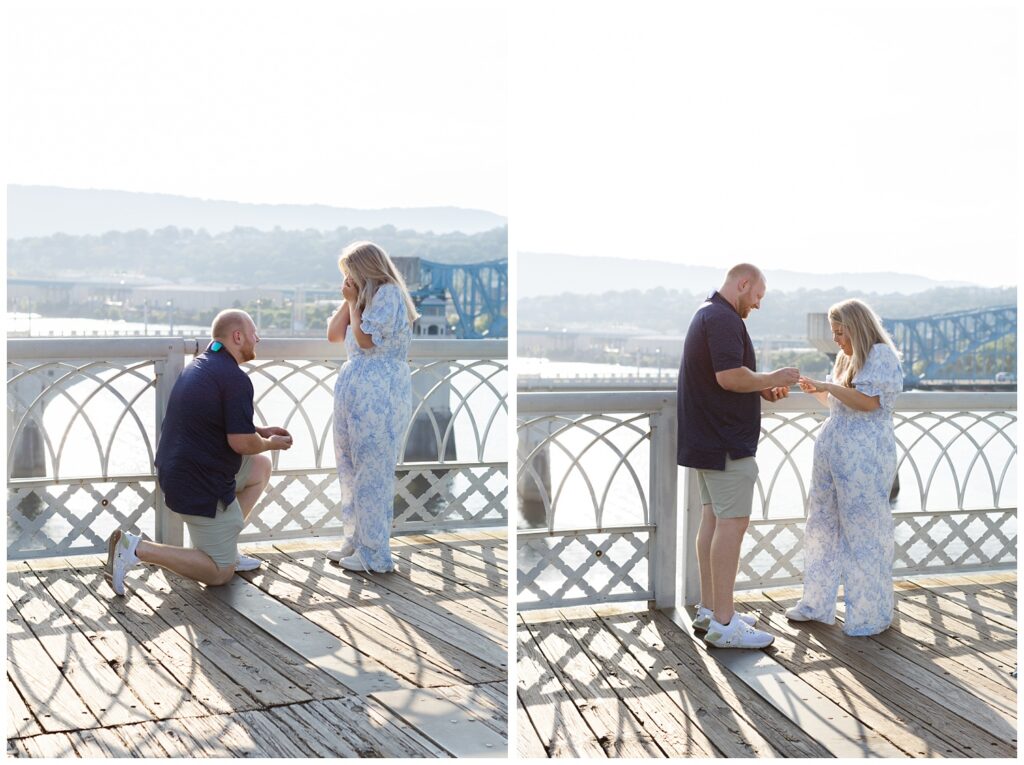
x=954 y=510
x=84 y=414
x=570 y=569
x=585 y=502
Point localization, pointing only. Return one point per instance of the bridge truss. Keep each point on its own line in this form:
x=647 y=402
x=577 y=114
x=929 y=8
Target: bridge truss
x=959 y=346
x=479 y=292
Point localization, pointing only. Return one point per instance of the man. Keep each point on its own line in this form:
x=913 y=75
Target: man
x=209 y=462
x=719 y=424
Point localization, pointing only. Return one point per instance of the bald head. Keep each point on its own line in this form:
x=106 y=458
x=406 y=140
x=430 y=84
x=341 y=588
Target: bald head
x=227 y=322
x=744 y=287
x=744 y=271
x=237 y=331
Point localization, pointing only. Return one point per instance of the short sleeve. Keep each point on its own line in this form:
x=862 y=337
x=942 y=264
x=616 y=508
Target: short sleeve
x=238 y=406
x=881 y=376
x=380 y=319
x=726 y=344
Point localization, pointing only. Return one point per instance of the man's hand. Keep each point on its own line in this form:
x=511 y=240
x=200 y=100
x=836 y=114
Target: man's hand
x=273 y=430
x=280 y=442
x=774 y=394
x=783 y=378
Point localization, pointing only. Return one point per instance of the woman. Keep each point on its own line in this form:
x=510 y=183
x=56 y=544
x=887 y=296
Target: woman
x=849 y=532
x=372 y=401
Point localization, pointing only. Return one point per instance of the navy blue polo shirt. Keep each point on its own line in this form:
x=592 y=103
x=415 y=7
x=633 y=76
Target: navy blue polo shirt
x=195 y=466
x=715 y=422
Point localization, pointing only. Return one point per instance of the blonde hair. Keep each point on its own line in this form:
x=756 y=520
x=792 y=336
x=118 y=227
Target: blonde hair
x=370 y=267
x=865 y=330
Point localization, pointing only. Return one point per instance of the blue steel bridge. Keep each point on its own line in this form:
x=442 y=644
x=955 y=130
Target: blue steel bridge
x=958 y=349
x=479 y=292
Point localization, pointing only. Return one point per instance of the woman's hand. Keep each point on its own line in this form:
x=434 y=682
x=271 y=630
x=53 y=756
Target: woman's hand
x=349 y=290
x=807 y=385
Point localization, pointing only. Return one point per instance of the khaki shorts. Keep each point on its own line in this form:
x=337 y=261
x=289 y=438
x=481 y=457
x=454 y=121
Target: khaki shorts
x=730 y=492
x=218 y=536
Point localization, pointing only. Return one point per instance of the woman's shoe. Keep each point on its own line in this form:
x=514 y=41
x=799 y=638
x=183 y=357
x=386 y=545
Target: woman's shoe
x=798 y=614
x=353 y=563
x=347 y=551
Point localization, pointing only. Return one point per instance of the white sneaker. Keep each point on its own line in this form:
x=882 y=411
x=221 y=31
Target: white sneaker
x=347 y=550
x=247 y=563
x=737 y=634
x=353 y=563
x=120 y=557
x=798 y=613
x=702 y=620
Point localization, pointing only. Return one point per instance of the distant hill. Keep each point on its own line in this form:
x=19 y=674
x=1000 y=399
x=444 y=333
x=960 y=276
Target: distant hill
x=547 y=274
x=38 y=211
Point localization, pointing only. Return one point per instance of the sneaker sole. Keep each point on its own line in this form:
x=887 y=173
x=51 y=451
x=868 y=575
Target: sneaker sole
x=108 y=568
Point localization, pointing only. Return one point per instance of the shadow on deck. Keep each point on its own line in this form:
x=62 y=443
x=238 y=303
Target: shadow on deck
x=610 y=681
x=298 y=659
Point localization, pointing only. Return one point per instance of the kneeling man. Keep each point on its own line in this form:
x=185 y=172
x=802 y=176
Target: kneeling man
x=209 y=462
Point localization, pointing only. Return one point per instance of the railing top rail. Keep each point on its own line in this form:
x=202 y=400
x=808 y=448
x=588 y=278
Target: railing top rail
x=42 y=348
x=577 y=402
x=594 y=402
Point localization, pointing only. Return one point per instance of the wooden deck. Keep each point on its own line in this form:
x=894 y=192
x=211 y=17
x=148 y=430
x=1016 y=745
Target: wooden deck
x=298 y=659
x=597 y=682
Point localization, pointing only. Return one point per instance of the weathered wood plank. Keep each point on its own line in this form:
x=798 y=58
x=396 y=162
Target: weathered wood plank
x=528 y=743
x=195 y=672
x=375 y=727
x=431 y=568
x=452 y=727
x=957 y=623
x=481 y=565
x=905 y=640
x=47 y=693
x=110 y=700
x=676 y=734
x=452 y=608
x=845 y=687
x=482 y=702
x=100 y=743
x=289 y=664
x=231 y=650
x=434 y=638
x=973 y=597
x=151 y=682
x=554 y=715
x=50 y=745
x=458 y=603
x=224 y=736
x=951 y=712
x=489 y=544
x=20 y=720
x=617 y=730
x=731 y=734
x=308 y=634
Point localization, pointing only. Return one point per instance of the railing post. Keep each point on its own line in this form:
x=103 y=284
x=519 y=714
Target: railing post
x=690 y=510
x=169 y=527
x=667 y=563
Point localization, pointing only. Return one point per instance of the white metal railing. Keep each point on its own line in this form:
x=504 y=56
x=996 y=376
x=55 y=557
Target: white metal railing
x=84 y=419
x=599 y=500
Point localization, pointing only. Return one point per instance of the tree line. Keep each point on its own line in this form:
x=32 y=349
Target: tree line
x=243 y=256
x=782 y=314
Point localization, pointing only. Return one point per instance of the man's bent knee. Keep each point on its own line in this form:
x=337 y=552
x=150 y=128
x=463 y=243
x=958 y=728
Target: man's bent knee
x=260 y=471
x=223 y=575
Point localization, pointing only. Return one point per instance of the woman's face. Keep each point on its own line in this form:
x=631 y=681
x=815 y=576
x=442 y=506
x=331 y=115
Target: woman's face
x=842 y=339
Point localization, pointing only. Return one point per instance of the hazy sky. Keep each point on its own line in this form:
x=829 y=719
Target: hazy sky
x=814 y=136
x=359 y=104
